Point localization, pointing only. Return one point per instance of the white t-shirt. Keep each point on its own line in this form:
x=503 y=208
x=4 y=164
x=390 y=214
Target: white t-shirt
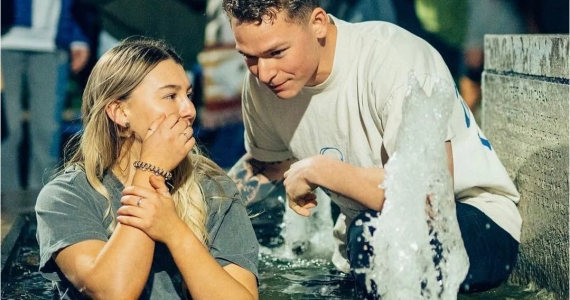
x=358 y=109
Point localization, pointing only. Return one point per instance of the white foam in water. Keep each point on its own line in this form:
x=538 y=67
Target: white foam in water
x=404 y=262
x=307 y=237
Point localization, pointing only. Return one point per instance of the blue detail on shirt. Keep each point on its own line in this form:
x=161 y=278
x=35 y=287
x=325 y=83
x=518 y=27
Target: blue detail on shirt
x=484 y=141
x=332 y=152
x=465 y=113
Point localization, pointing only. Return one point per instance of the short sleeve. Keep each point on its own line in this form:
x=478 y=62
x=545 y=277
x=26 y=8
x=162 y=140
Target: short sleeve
x=261 y=140
x=66 y=215
x=231 y=236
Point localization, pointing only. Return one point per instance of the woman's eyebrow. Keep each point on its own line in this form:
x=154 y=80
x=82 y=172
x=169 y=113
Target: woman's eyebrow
x=170 y=86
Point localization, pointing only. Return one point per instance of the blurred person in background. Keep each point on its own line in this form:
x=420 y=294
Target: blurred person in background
x=179 y=22
x=4 y=125
x=361 y=10
x=222 y=74
x=43 y=43
x=485 y=17
x=546 y=16
x=444 y=25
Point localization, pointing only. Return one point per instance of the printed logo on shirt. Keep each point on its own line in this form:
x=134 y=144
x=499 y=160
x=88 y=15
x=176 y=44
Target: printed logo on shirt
x=334 y=153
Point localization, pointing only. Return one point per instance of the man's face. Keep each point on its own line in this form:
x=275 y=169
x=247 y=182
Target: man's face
x=283 y=54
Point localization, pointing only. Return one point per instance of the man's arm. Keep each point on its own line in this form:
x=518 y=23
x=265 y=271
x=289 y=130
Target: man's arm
x=256 y=179
x=357 y=183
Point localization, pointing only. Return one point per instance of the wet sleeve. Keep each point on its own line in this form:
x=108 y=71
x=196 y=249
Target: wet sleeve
x=66 y=215
x=232 y=240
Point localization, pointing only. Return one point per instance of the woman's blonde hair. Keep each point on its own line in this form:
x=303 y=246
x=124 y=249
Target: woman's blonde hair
x=98 y=147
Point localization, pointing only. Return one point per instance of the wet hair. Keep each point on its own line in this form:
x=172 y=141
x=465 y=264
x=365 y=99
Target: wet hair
x=257 y=11
x=101 y=144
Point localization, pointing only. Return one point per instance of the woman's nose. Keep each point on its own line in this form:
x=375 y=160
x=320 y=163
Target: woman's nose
x=187 y=110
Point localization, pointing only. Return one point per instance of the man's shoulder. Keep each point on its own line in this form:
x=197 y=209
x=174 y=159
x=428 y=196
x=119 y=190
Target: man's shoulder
x=376 y=31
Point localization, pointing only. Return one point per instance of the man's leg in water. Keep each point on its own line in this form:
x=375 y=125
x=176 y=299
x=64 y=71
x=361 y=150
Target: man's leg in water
x=360 y=253
x=491 y=250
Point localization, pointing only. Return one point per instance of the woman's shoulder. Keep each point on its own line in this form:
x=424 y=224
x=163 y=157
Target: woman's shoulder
x=219 y=187
x=71 y=179
x=70 y=186
x=221 y=196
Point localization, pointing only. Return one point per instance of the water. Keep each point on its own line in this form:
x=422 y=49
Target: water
x=307 y=279
x=20 y=278
x=302 y=277
x=418 y=168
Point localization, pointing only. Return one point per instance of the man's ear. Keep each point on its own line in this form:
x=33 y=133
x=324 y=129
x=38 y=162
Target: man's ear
x=319 y=22
x=116 y=113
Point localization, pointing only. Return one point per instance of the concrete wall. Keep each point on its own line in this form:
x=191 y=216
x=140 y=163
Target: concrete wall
x=525 y=116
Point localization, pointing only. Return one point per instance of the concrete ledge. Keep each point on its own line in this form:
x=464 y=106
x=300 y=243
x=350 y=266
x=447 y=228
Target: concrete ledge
x=534 y=55
x=10 y=239
x=525 y=116
x=12 y=206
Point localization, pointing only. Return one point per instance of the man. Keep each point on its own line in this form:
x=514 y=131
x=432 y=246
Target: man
x=322 y=107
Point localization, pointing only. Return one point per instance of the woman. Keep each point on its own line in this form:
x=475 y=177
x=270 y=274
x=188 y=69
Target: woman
x=136 y=214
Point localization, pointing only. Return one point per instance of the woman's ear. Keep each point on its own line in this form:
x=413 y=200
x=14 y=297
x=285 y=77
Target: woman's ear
x=115 y=112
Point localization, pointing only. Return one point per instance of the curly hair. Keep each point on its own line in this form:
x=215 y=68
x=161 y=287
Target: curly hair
x=257 y=11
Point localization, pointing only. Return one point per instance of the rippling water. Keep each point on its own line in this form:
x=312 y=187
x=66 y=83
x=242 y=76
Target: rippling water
x=317 y=279
x=280 y=279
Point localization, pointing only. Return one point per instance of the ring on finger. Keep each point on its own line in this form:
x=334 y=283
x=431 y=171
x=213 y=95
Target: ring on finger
x=139 y=202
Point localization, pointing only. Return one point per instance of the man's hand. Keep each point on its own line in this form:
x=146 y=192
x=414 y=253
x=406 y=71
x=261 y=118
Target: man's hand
x=299 y=187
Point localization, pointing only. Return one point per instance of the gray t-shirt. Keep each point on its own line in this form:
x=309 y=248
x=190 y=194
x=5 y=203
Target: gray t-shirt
x=70 y=211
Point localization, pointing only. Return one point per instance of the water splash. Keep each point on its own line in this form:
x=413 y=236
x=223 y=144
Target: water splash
x=307 y=238
x=404 y=266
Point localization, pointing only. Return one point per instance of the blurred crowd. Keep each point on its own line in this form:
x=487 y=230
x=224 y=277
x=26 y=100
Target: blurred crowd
x=48 y=48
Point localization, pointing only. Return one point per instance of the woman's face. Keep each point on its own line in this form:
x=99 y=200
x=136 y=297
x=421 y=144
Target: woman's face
x=164 y=90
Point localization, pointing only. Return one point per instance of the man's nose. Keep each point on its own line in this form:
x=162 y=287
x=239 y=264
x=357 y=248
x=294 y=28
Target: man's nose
x=266 y=70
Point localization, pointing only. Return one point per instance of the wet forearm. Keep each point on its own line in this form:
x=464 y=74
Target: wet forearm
x=357 y=183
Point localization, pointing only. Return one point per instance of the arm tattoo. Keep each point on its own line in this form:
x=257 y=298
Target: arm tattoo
x=251 y=180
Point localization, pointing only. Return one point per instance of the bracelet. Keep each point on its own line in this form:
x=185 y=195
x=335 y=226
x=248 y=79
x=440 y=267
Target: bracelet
x=156 y=170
